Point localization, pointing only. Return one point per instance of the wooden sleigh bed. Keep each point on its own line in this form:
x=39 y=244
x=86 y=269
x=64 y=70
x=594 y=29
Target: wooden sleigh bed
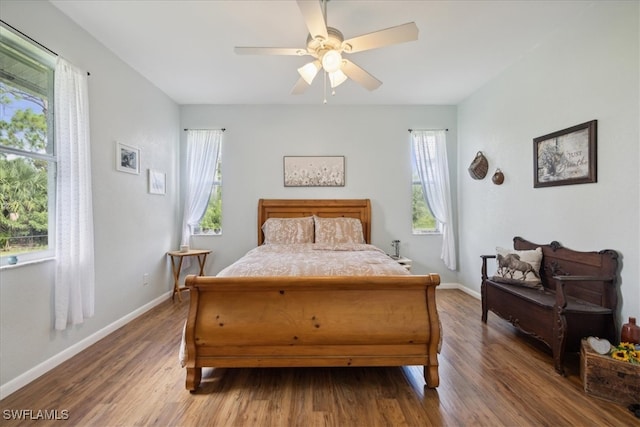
x=312 y=321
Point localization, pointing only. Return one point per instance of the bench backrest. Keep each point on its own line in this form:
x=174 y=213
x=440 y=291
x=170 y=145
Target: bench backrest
x=558 y=261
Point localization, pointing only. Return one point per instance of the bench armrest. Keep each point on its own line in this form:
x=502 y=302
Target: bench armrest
x=484 y=265
x=561 y=298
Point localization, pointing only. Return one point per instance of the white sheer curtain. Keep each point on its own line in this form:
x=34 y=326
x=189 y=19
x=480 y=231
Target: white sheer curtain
x=430 y=154
x=203 y=149
x=75 y=275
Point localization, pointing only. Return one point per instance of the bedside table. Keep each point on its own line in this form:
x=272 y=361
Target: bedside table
x=176 y=267
x=405 y=262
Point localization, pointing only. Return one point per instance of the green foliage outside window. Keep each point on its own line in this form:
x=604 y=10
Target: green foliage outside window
x=211 y=222
x=422 y=218
x=212 y=219
x=24 y=219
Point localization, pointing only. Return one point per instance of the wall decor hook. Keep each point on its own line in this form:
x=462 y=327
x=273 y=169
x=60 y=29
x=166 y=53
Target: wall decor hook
x=498 y=177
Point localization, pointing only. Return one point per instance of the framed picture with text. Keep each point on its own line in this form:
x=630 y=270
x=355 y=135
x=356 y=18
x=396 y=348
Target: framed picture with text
x=565 y=157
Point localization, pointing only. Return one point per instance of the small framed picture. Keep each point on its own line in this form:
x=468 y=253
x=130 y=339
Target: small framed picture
x=127 y=158
x=157 y=182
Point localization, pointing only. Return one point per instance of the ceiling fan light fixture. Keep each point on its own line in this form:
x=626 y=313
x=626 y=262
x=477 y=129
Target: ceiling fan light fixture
x=309 y=71
x=337 y=78
x=327 y=45
x=332 y=61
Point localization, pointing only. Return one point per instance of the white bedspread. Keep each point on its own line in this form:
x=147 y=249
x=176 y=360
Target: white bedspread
x=311 y=259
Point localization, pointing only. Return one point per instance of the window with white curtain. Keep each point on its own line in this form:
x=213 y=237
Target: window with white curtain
x=203 y=188
x=211 y=222
x=27 y=150
x=423 y=220
x=429 y=150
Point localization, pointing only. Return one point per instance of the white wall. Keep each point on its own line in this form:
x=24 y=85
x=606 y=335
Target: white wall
x=588 y=70
x=133 y=229
x=375 y=142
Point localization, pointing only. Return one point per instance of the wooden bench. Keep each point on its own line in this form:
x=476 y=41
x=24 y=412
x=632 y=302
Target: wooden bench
x=578 y=299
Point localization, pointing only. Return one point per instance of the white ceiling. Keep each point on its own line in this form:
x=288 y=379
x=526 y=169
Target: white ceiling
x=185 y=48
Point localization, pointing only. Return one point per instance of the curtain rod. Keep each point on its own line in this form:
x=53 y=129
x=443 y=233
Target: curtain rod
x=32 y=40
x=446 y=130
x=222 y=129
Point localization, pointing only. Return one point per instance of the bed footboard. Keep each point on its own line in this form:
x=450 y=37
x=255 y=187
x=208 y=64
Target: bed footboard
x=312 y=321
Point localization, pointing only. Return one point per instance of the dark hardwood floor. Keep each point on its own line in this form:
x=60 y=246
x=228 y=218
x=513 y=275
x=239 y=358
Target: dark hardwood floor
x=489 y=376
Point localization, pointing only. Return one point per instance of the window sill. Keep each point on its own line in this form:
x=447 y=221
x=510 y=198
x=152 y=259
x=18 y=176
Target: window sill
x=25 y=263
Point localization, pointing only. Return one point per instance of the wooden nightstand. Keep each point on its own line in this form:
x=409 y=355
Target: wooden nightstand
x=405 y=262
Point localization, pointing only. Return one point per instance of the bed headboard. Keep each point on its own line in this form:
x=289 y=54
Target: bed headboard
x=329 y=208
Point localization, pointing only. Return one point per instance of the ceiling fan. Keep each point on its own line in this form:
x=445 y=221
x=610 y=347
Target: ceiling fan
x=327 y=46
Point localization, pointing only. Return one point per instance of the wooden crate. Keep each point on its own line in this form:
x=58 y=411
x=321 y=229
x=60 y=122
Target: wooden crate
x=607 y=378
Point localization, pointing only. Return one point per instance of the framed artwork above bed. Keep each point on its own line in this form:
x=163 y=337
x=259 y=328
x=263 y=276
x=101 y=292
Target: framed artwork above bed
x=313 y=171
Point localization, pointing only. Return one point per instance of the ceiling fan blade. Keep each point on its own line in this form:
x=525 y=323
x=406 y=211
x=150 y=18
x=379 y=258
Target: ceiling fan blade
x=359 y=75
x=314 y=18
x=394 y=35
x=300 y=87
x=270 y=51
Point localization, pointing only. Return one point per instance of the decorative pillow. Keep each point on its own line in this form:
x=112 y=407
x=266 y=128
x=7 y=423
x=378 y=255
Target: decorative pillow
x=338 y=230
x=288 y=230
x=519 y=267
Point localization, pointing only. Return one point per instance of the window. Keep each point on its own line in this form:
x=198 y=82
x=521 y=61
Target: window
x=203 y=179
x=211 y=222
x=423 y=221
x=27 y=154
x=429 y=150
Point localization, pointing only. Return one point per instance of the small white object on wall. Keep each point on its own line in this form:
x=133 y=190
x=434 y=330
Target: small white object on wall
x=157 y=182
